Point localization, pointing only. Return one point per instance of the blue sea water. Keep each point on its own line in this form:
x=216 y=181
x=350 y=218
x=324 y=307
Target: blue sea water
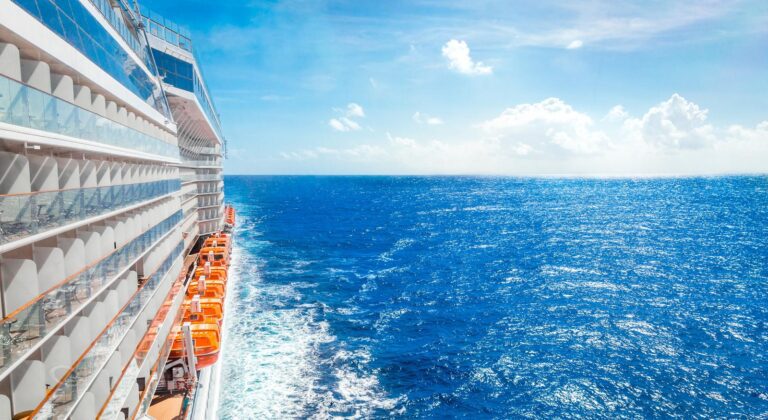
x=444 y=297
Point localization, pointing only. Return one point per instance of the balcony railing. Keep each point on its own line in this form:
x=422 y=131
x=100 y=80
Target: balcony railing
x=207 y=202
x=207 y=215
x=201 y=150
x=23 y=215
x=25 y=327
x=62 y=398
x=210 y=189
x=26 y=106
x=203 y=177
x=213 y=162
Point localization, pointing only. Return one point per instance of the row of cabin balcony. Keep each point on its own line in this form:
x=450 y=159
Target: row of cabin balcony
x=209 y=201
x=42 y=192
x=209 y=226
x=37 y=74
x=100 y=365
x=28 y=173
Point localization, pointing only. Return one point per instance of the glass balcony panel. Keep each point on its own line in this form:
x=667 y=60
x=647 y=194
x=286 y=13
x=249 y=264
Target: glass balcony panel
x=16 y=217
x=72 y=207
x=36 y=103
x=66 y=119
x=5 y=100
x=18 y=108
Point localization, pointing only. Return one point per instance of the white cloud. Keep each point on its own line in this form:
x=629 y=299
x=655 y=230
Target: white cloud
x=457 y=53
x=673 y=137
x=355 y=110
x=346 y=122
x=675 y=123
x=337 y=125
x=422 y=118
x=617 y=113
x=548 y=127
x=575 y=44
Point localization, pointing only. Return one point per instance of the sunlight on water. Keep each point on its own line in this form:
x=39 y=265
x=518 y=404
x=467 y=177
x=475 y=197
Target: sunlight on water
x=445 y=297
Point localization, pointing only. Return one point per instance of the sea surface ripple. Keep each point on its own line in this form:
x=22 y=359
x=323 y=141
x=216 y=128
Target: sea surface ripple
x=446 y=297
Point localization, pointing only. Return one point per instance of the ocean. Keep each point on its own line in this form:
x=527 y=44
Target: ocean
x=483 y=297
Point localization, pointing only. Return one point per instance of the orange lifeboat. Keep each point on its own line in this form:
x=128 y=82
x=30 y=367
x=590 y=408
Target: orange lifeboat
x=212 y=273
x=216 y=256
x=217 y=241
x=207 y=344
x=213 y=289
x=229 y=216
x=205 y=310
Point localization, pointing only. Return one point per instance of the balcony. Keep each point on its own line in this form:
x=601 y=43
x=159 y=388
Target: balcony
x=202 y=163
x=208 y=215
x=209 y=189
x=201 y=178
x=25 y=106
x=23 y=329
x=201 y=150
x=65 y=395
x=23 y=215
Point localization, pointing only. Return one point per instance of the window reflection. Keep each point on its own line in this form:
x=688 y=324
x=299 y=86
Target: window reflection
x=71 y=21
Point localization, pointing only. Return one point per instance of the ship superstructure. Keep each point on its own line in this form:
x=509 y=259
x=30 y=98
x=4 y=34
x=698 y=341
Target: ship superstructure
x=110 y=174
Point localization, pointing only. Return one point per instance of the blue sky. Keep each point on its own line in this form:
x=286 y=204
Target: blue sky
x=486 y=86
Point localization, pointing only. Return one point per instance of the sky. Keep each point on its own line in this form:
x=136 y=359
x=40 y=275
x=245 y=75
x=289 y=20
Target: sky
x=497 y=87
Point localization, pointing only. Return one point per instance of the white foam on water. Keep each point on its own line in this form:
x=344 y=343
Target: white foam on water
x=400 y=245
x=272 y=363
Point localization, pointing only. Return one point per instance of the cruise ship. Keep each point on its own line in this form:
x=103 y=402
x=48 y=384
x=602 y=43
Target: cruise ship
x=111 y=183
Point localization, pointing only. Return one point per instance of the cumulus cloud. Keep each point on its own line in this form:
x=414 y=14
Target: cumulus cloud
x=421 y=118
x=459 y=59
x=575 y=44
x=675 y=123
x=549 y=127
x=355 y=110
x=673 y=137
x=346 y=120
